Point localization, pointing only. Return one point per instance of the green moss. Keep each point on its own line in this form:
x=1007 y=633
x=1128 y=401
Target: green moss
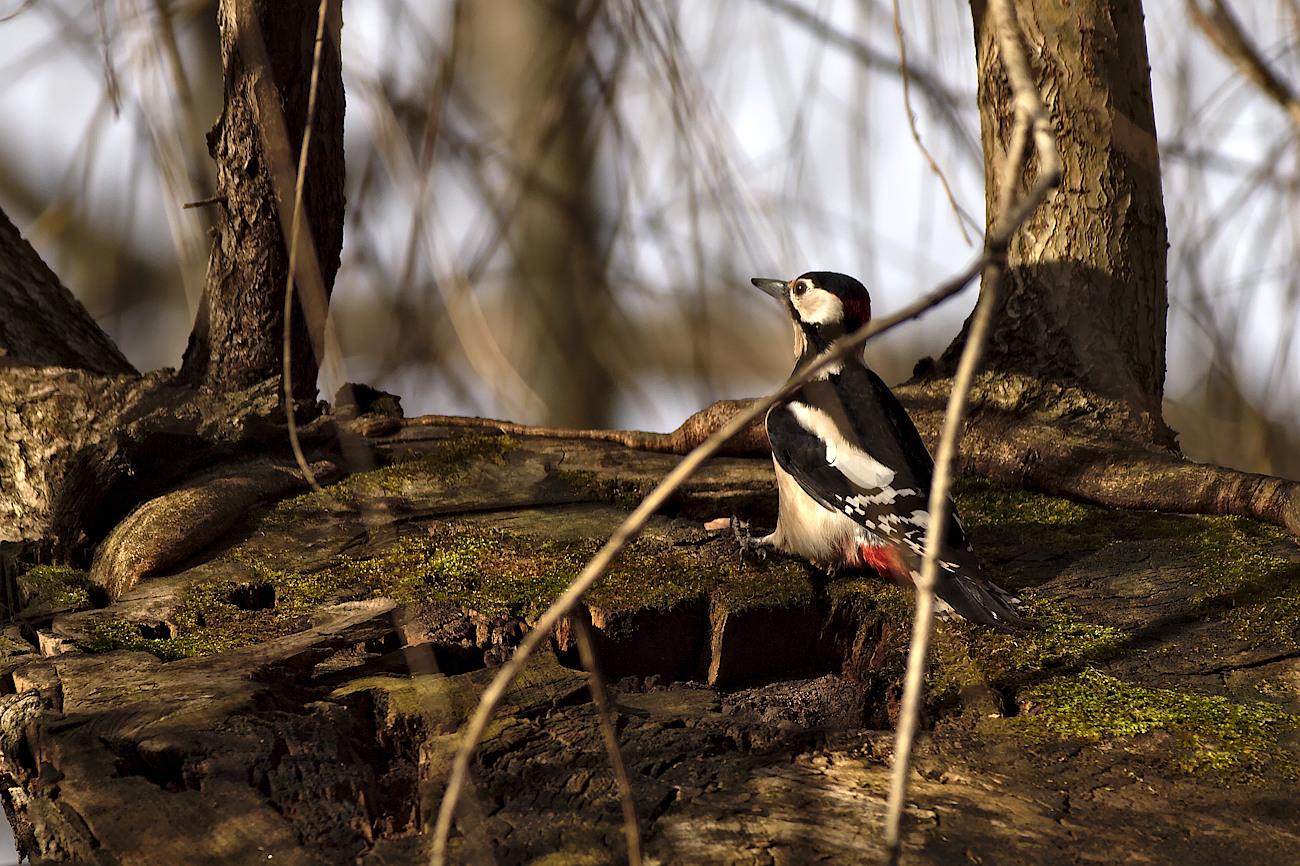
x=1247 y=581
x=488 y=571
x=57 y=585
x=775 y=582
x=1243 y=579
x=622 y=492
x=1214 y=734
x=445 y=464
x=897 y=604
x=1061 y=642
x=1060 y=524
x=114 y=634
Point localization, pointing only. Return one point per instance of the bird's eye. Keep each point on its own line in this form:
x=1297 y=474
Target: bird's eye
x=799 y=288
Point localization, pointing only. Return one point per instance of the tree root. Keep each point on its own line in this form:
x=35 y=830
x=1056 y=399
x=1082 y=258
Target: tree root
x=1122 y=473
x=691 y=433
x=1081 y=458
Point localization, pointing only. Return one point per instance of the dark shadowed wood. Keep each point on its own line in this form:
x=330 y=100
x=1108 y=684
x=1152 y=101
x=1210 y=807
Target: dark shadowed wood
x=42 y=324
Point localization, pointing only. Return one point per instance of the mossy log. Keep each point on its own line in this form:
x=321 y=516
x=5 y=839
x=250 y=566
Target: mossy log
x=294 y=690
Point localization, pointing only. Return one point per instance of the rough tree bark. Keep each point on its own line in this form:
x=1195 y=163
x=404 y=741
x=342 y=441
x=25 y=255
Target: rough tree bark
x=1084 y=302
x=237 y=337
x=29 y=291
x=58 y=370
x=85 y=438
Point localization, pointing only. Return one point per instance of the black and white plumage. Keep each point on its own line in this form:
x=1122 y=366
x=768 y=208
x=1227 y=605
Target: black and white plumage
x=853 y=475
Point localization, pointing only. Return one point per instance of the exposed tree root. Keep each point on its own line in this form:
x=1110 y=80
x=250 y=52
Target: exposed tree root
x=1123 y=473
x=691 y=433
x=1094 y=456
x=1070 y=443
x=86 y=449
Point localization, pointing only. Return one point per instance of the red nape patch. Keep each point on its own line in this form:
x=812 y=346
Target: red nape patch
x=857 y=312
x=884 y=560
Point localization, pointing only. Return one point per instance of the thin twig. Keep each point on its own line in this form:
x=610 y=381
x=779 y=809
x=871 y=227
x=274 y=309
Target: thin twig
x=1031 y=121
x=581 y=626
x=923 y=619
x=106 y=55
x=916 y=136
x=295 y=232
x=464 y=313
x=27 y=4
x=945 y=102
x=1027 y=103
x=629 y=529
x=1225 y=31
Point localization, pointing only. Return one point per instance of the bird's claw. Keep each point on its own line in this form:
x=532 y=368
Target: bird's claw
x=748 y=543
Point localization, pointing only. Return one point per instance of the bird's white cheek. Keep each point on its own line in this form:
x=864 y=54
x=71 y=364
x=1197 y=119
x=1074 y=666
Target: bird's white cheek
x=820 y=308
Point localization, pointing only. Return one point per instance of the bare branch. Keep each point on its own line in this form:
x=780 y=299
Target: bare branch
x=295 y=236
x=945 y=103
x=923 y=617
x=20 y=10
x=962 y=217
x=581 y=622
x=111 y=86
x=1224 y=30
x=1031 y=120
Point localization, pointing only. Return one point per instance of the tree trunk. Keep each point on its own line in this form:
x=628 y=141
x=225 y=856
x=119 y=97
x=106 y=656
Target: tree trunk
x=44 y=325
x=83 y=437
x=1084 y=302
x=237 y=337
x=58 y=373
x=531 y=61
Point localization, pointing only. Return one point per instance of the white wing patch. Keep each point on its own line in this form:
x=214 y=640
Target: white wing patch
x=886 y=496
x=858 y=466
x=855 y=464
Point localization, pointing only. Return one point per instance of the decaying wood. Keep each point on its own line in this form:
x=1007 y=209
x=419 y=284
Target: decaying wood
x=322 y=746
x=693 y=431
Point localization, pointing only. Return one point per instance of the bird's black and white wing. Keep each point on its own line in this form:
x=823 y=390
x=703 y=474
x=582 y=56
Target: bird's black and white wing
x=850 y=445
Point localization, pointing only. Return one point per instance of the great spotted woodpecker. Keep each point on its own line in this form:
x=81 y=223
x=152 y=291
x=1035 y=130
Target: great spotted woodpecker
x=853 y=476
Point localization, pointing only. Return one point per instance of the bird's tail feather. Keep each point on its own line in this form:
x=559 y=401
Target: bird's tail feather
x=981 y=602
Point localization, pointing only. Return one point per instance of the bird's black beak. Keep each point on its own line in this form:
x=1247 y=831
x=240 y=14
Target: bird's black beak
x=775 y=288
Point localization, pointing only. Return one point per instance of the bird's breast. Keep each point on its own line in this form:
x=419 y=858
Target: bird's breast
x=806 y=528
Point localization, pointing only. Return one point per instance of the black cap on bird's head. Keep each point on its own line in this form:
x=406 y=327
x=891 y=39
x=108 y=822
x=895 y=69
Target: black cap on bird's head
x=822 y=303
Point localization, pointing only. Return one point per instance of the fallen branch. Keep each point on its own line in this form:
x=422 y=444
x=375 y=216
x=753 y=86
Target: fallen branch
x=694 y=431
x=1085 y=462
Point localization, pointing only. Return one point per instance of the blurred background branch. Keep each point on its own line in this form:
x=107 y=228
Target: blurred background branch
x=554 y=207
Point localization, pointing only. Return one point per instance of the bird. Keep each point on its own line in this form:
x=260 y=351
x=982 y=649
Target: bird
x=853 y=476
